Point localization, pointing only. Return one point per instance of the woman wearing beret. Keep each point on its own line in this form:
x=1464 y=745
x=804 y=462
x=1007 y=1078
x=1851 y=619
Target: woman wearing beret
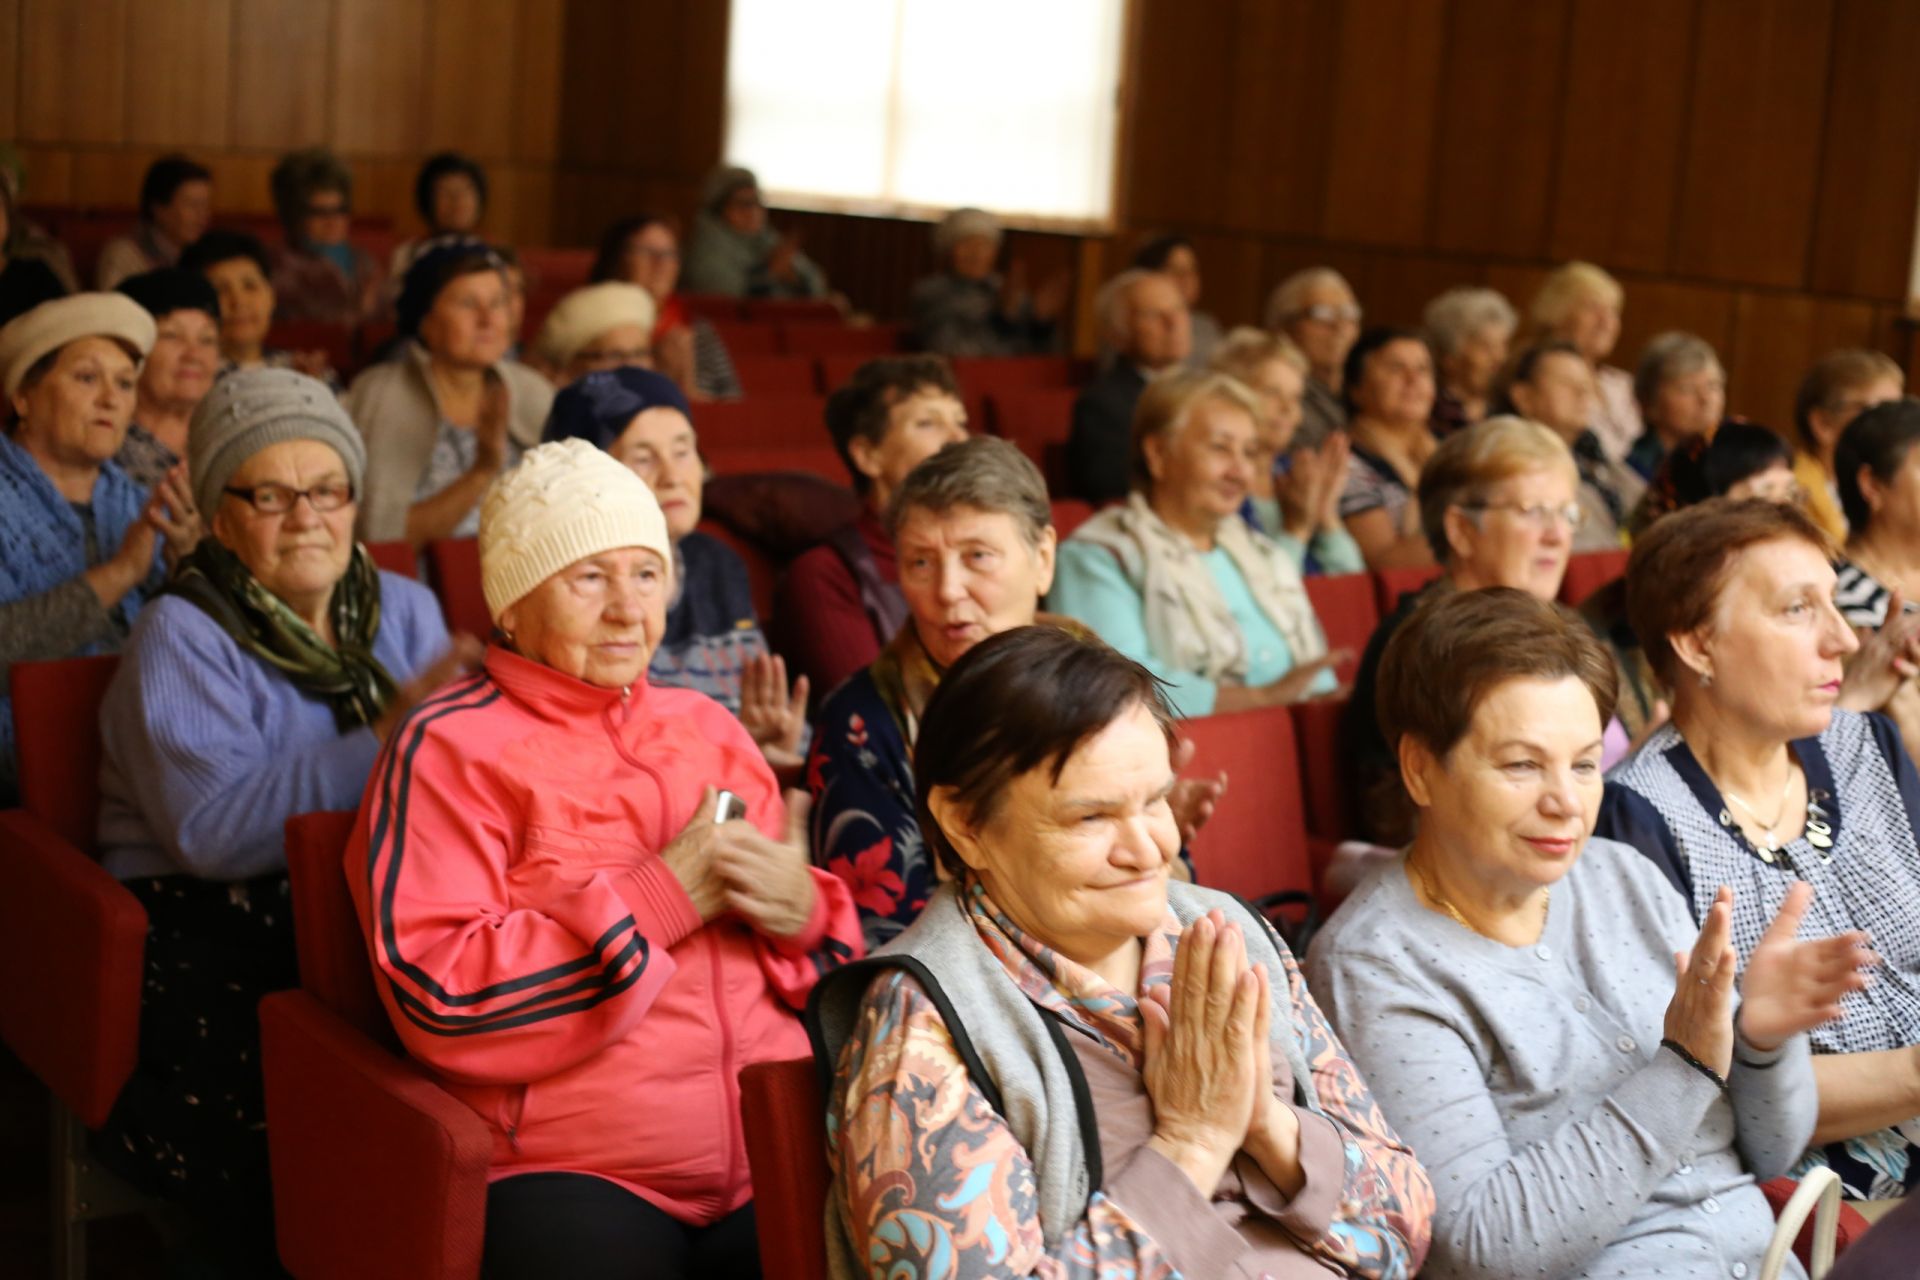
x=81 y=545
x=258 y=687
x=451 y=411
x=599 y=326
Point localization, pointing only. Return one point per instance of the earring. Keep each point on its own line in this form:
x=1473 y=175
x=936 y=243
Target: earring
x=1706 y=679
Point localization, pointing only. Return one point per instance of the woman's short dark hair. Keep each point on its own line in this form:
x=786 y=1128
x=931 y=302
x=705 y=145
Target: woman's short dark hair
x=1022 y=700
x=164 y=177
x=445 y=164
x=439 y=265
x=1879 y=440
x=219 y=245
x=1154 y=254
x=1363 y=350
x=613 y=244
x=1703 y=467
x=862 y=407
x=1521 y=369
x=1481 y=639
x=1681 y=563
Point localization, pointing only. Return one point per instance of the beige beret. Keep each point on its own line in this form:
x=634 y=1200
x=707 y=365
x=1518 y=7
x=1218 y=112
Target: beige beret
x=52 y=325
x=585 y=314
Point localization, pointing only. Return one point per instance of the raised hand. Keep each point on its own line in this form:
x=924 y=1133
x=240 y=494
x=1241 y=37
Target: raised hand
x=1792 y=986
x=1201 y=1065
x=173 y=513
x=1193 y=799
x=1889 y=656
x=774 y=716
x=768 y=883
x=1700 y=1015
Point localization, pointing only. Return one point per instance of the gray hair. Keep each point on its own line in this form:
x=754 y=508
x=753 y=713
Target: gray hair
x=1673 y=354
x=1458 y=314
x=1288 y=297
x=1114 y=303
x=961 y=224
x=983 y=472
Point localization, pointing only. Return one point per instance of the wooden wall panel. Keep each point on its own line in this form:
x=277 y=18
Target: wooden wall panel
x=1776 y=337
x=1386 y=85
x=379 y=58
x=57 y=39
x=1500 y=87
x=179 y=73
x=1624 y=115
x=10 y=64
x=540 y=33
x=1654 y=306
x=1279 y=126
x=1753 y=141
x=281 y=57
x=470 y=76
x=1870 y=151
x=1178 y=173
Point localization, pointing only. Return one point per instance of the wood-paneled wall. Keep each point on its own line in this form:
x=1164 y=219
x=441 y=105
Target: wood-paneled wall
x=1749 y=168
x=94 y=90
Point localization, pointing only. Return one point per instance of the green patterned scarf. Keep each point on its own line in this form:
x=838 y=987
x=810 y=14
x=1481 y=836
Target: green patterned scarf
x=345 y=674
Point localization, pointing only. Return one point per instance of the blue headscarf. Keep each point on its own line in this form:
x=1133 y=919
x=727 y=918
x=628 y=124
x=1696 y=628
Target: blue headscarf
x=599 y=407
x=429 y=275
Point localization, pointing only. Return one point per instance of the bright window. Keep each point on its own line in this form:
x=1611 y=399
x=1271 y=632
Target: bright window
x=919 y=106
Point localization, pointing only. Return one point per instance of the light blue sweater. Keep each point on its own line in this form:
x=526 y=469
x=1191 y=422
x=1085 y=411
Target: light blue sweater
x=207 y=751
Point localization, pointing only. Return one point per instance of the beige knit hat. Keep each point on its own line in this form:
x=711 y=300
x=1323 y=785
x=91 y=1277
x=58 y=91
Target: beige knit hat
x=585 y=314
x=52 y=325
x=561 y=503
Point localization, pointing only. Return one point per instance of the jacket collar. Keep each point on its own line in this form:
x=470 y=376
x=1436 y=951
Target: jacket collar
x=554 y=695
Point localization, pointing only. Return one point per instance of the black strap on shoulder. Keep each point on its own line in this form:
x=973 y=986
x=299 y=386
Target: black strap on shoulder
x=1082 y=1101
x=850 y=982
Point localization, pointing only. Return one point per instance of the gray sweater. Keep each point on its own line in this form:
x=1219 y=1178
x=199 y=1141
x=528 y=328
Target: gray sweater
x=1561 y=1138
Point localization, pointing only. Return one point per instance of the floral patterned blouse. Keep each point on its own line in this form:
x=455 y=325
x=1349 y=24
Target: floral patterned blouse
x=932 y=1183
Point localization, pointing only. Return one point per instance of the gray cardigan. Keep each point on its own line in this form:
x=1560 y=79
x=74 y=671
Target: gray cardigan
x=1561 y=1138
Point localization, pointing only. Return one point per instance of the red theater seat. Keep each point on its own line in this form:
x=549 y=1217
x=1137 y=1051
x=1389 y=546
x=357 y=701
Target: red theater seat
x=1348 y=611
x=762 y=422
x=339 y=342
x=1590 y=571
x=987 y=376
x=456 y=578
x=777 y=375
x=395 y=557
x=816 y=460
x=713 y=307
x=783 y=1116
x=749 y=339
x=842 y=340
x=1069 y=514
x=1256 y=842
x=791 y=311
x=1316 y=727
x=1390 y=584
x=1033 y=419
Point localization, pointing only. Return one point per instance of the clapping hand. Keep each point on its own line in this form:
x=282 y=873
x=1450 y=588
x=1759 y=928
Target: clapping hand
x=1193 y=799
x=1792 y=985
x=775 y=716
x=1889 y=657
x=1700 y=1015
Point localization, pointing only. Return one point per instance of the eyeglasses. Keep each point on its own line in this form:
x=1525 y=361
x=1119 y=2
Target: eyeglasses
x=278 y=499
x=1539 y=515
x=1327 y=313
x=328 y=210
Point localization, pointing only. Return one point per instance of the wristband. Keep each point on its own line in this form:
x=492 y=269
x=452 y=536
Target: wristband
x=1719 y=1081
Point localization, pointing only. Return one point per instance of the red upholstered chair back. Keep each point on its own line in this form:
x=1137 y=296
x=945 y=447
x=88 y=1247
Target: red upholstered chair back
x=56 y=713
x=763 y=422
x=1590 y=571
x=1348 y=613
x=1391 y=584
x=812 y=338
x=1069 y=514
x=1256 y=843
x=777 y=375
x=326 y=930
x=1033 y=418
x=1316 y=727
x=395 y=557
x=456 y=575
x=991 y=375
x=784 y=1116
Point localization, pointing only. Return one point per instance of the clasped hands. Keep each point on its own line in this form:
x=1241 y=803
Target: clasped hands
x=731 y=866
x=1209 y=1069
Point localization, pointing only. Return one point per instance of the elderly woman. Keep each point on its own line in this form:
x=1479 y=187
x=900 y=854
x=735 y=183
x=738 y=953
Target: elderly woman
x=1196 y=1117
x=599 y=326
x=1294 y=495
x=736 y=253
x=1535 y=1007
x=1175 y=256
x=1551 y=383
x=969 y=309
x=1389 y=389
x=236 y=265
x=451 y=412
x=1580 y=303
x=1879 y=475
x=260 y=686
x=1468 y=330
x=585 y=906
x=81 y=545
x=321 y=275
x=179 y=369
x=1177 y=581
x=176 y=204
x=1760 y=781
x=712 y=640
x=450 y=195
x=1835 y=391
x=644 y=250
x=1317 y=309
x=840 y=602
x=1497 y=506
x=1682 y=391
x=1739 y=460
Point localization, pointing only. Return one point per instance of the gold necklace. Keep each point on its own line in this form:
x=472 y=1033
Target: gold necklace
x=1433 y=896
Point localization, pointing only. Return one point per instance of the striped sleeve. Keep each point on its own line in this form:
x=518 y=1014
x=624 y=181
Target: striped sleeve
x=479 y=983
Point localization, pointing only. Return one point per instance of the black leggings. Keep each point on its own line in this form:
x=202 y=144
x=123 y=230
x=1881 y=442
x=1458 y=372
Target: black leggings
x=572 y=1224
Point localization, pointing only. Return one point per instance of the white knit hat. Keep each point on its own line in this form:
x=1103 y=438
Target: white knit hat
x=585 y=314
x=561 y=503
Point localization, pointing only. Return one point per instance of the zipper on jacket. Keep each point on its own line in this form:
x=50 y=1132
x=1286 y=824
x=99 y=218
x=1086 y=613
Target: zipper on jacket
x=729 y=1084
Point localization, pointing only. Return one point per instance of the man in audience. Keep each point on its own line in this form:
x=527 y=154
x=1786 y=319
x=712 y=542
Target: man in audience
x=1317 y=309
x=1147 y=328
x=1552 y=383
x=176 y=204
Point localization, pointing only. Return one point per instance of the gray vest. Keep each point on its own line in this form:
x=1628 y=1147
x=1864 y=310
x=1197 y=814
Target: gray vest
x=1016 y=1052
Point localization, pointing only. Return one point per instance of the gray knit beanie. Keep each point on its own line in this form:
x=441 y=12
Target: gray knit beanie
x=250 y=409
